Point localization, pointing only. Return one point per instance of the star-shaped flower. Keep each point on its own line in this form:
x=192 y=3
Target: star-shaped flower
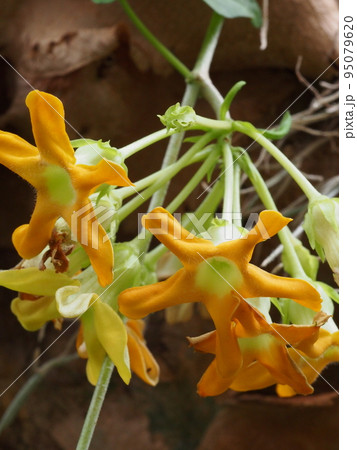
x=269 y=352
x=62 y=186
x=214 y=275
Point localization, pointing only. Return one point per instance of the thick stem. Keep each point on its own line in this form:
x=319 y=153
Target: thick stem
x=95 y=405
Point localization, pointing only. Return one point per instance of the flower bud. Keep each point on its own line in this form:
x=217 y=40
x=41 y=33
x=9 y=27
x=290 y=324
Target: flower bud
x=321 y=227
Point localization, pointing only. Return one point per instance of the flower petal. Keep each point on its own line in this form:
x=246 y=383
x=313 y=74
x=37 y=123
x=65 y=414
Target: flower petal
x=33 y=281
x=228 y=354
x=205 y=343
x=88 y=178
x=138 y=302
x=19 y=156
x=70 y=304
x=283 y=368
x=263 y=284
x=212 y=383
x=183 y=244
x=251 y=378
x=48 y=126
x=89 y=232
x=33 y=314
x=269 y=223
x=95 y=350
x=142 y=362
x=30 y=239
x=112 y=335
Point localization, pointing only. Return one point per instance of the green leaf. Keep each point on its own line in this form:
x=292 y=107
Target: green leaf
x=231 y=9
x=280 y=131
x=229 y=98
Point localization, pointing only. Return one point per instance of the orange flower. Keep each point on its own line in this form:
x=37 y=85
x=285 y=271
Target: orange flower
x=62 y=186
x=215 y=275
x=267 y=360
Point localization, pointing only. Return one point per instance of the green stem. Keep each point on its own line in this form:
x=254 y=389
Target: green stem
x=195 y=180
x=305 y=185
x=30 y=385
x=133 y=204
x=237 y=211
x=228 y=182
x=134 y=147
x=208 y=47
x=125 y=192
x=165 y=52
x=95 y=405
x=200 y=69
x=285 y=235
x=174 y=146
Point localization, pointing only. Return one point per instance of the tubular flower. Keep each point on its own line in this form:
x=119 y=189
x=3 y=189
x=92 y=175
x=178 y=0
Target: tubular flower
x=291 y=355
x=62 y=186
x=214 y=275
x=90 y=345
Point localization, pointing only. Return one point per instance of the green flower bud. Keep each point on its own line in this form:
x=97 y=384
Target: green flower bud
x=178 y=117
x=321 y=227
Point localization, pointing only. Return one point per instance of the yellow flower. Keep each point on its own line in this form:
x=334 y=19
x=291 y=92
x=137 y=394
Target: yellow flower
x=290 y=355
x=90 y=345
x=214 y=275
x=62 y=186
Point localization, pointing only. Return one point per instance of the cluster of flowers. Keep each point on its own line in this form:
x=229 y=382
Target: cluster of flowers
x=54 y=280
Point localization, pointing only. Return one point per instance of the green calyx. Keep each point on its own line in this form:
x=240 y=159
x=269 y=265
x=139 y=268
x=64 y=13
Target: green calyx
x=59 y=185
x=90 y=152
x=218 y=276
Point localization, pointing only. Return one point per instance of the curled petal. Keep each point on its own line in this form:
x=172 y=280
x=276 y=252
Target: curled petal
x=142 y=362
x=181 y=242
x=283 y=368
x=205 y=343
x=33 y=314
